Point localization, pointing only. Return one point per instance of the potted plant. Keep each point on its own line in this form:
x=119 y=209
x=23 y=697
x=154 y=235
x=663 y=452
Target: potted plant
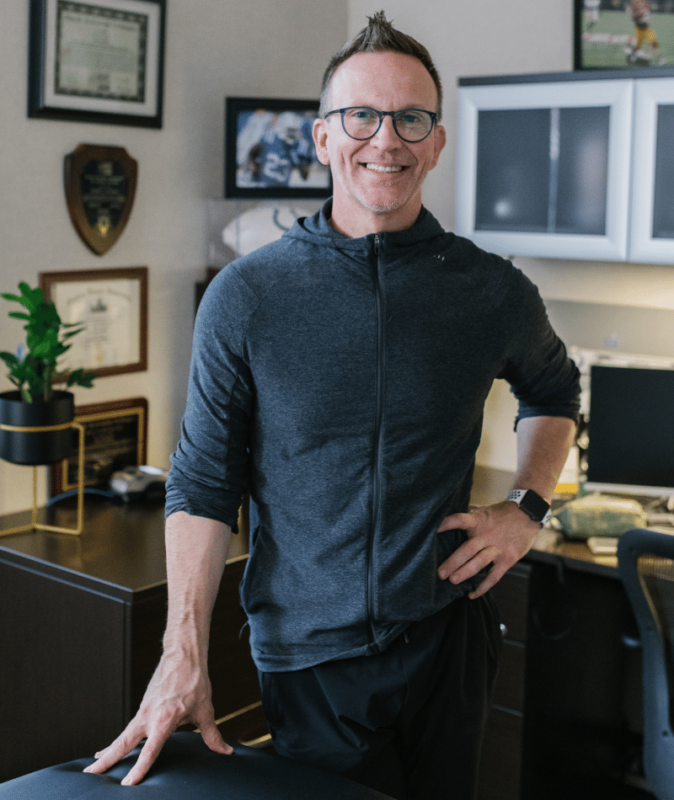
x=33 y=370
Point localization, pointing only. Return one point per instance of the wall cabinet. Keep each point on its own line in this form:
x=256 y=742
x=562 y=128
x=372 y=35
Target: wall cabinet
x=567 y=166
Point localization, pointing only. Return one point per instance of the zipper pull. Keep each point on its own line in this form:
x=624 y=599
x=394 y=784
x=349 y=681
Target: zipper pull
x=377 y=244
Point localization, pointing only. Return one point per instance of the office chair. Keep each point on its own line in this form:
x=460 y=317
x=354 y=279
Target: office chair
x=187 y=769
x=646 y=565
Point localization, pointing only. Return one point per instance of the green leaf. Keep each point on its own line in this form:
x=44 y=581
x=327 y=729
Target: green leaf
x=79 y=378
x=70 y=334
x=31 y=298
x=47 y=339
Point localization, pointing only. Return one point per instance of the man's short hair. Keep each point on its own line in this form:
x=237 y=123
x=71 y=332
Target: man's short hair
x=379 y=36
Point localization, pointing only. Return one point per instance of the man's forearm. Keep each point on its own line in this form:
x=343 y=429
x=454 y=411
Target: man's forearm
x=542 y=447
x=196 y=551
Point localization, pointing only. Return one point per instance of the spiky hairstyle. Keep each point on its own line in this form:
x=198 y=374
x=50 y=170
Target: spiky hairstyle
x=379 y=36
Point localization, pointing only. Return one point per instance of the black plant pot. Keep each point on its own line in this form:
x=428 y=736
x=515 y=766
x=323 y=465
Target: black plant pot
x=43 y=447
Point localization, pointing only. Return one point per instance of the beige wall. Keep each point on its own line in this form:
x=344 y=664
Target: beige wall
x=214 y=48
x=266 y=48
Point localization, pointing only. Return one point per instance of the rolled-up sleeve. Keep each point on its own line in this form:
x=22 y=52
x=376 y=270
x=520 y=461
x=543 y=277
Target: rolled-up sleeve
x=545 y=381
x=209 y=468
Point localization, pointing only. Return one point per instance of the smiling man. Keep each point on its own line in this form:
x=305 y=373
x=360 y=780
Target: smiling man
x=378 y=175
x=339 y=375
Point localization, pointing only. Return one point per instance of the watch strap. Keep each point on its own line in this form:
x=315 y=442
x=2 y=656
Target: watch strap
x=533 y=505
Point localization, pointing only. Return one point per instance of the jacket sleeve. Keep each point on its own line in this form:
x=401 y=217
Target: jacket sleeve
x=209 y=469
x=544 y=379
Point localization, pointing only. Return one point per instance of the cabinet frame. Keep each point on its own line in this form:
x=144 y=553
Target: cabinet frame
x=643 y=247
x=618 y=95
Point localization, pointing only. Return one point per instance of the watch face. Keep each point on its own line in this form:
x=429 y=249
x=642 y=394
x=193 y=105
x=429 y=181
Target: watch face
x=534 y=505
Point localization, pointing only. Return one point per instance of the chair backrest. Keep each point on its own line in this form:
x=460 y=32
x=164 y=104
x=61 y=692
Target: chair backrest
x=646 y=565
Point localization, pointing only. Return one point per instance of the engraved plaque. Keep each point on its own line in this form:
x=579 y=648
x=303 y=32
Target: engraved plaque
x=100 y=186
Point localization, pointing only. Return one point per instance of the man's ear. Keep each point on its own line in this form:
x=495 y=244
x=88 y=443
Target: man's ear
x=440 y=136
x=320 y=134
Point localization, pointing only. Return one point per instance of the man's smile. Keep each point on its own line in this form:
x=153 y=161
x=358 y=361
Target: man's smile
x=381 y=168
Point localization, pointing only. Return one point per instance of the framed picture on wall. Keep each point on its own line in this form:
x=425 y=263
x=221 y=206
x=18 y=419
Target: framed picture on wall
x=112 y=306
x=623 y=34
x=269 y=149
x=97 y=61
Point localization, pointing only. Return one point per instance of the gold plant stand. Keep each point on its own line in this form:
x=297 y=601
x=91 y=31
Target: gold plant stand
x=34 y=524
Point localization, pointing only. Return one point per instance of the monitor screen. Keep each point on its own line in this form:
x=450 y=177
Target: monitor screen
x=631 y=430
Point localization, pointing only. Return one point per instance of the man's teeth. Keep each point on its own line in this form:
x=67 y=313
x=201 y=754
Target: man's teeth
x=379 y=168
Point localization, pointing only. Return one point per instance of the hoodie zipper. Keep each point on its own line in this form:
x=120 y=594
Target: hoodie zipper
x=380 y=310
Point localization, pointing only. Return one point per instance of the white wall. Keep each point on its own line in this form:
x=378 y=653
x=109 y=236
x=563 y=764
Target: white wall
x=214 y=48
x=487 y=37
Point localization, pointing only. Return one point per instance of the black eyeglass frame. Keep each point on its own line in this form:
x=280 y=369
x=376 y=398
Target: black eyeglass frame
x=381 y=114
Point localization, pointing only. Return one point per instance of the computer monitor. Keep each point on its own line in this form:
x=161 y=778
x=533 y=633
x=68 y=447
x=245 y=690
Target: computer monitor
x=631 y=431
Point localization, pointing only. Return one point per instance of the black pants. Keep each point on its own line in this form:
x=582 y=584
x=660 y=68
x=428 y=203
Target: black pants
x=407 y=722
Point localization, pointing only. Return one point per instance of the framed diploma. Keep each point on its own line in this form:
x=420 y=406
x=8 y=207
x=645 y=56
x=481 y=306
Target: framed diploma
x=112 y=306
x=97 y=61
x=115 y=437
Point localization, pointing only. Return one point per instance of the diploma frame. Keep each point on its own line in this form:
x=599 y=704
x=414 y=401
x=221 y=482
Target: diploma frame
x=97 y=61
x=61 y=287
x=103 y=452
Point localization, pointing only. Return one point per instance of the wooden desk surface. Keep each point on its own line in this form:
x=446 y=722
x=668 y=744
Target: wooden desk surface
x=120 y=551
x=554 y=548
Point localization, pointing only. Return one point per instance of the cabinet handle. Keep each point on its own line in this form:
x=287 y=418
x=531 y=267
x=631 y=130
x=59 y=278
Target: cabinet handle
x=504 y=630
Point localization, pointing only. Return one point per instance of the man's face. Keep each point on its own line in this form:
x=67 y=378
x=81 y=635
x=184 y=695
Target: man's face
x=377 y=182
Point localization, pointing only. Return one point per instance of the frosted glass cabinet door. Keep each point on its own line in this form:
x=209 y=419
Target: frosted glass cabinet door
x=513 y=169
x=541 y=168
x=652 y=231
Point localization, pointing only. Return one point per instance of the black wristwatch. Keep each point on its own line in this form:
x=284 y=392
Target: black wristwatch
x=533 y=505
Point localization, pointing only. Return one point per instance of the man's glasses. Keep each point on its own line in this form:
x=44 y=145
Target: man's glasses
x=361 y=122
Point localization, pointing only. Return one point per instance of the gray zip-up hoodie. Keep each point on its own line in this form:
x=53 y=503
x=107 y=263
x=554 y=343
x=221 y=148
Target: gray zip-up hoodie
x=342 y=382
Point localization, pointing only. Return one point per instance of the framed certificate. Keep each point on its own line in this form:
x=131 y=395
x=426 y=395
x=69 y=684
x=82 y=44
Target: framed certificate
x=97 y=61
x=115 y=437
x=112 y=306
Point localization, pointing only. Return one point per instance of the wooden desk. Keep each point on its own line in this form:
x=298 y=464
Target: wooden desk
x=82 y=618
x=81 y=623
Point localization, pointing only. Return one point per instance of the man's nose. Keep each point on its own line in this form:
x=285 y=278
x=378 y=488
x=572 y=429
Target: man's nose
x=386 y=136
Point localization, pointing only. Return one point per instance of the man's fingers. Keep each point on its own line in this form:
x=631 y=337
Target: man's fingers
x=459 y=558
x=483 y=558
x=109 y=756
x=492 y=579
x=213 y=739
x=454 y=521
x=147 y=757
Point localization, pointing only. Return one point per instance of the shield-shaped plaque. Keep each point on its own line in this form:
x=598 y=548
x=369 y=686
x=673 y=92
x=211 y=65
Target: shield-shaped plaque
x=100 y=186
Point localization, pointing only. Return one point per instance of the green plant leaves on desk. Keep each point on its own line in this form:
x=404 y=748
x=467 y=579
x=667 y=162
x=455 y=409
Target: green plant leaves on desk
x=33 y=367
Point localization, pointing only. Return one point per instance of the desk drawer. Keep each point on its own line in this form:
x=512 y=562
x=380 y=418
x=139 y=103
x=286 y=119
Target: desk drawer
x=509 y=687
x=501 y=761
x=511 y=594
